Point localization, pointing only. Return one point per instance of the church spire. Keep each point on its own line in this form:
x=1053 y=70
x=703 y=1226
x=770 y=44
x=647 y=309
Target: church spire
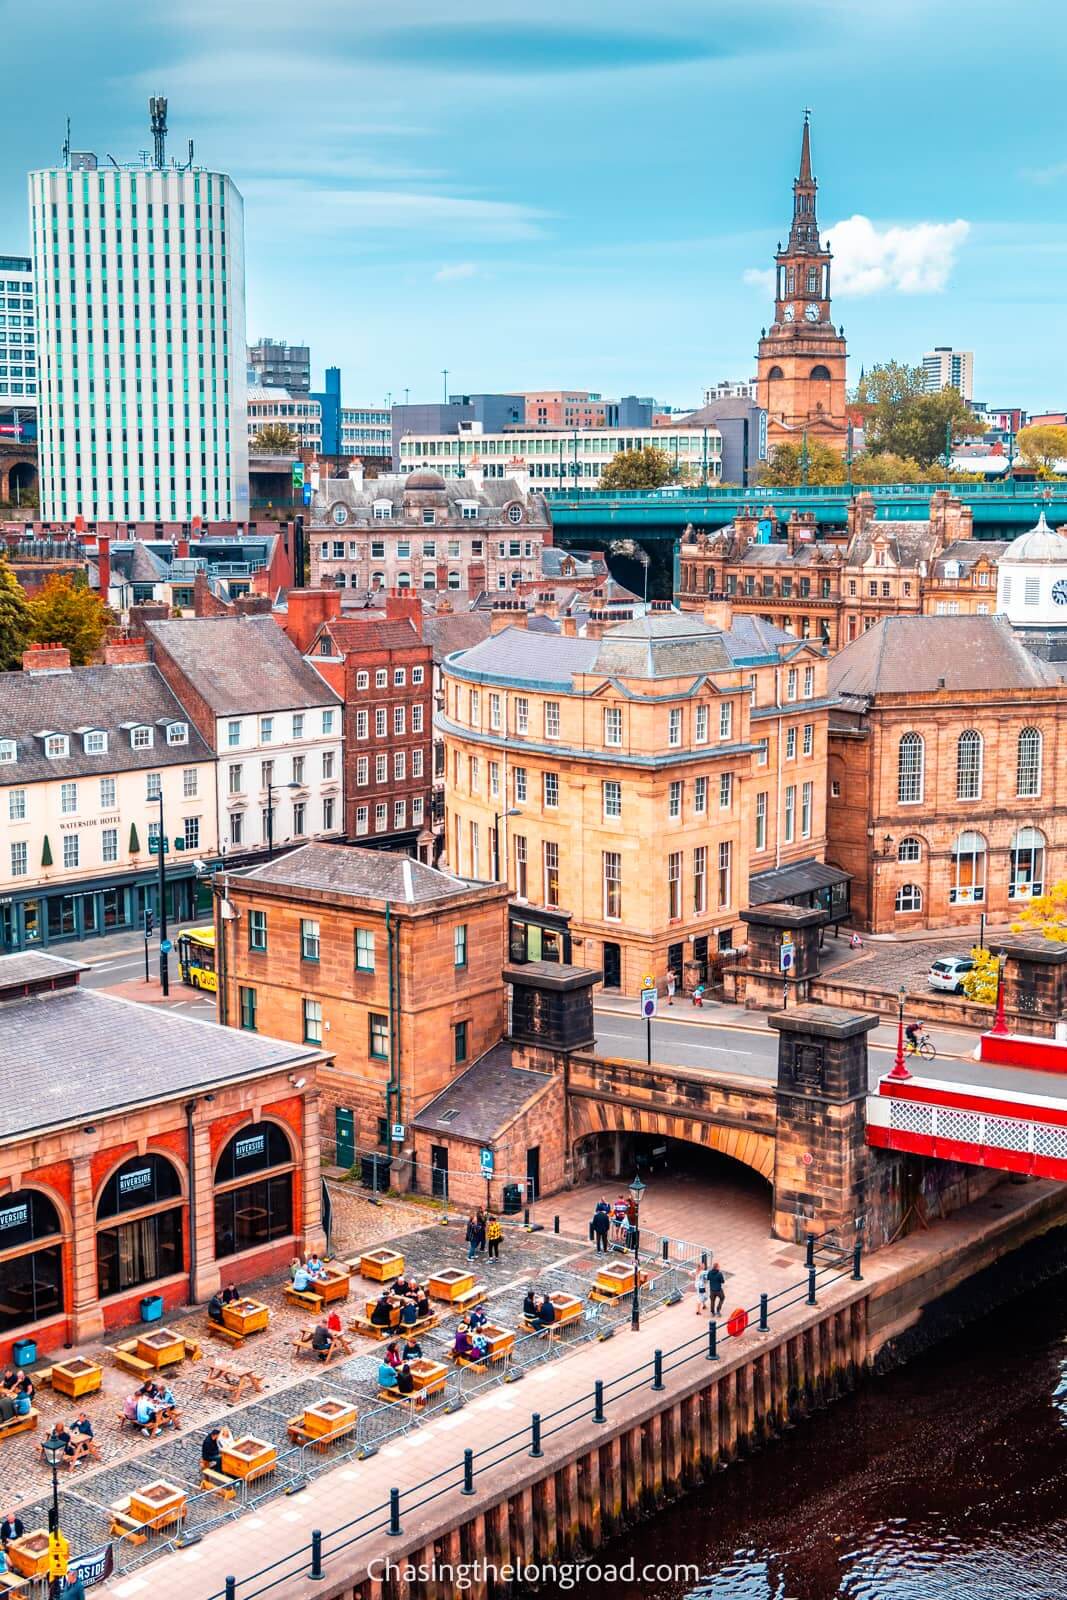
x=804 y=232
x=804 y=175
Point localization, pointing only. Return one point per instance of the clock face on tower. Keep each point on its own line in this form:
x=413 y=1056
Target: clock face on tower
x=788 y=313
x=812 y=313
x=1059 y=591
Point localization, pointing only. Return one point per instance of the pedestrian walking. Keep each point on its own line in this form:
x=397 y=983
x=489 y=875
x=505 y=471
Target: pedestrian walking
x=475 y=1235
x=716 y=1288
x=598 y=1227
x=494 y=1232
x=672 y=984
x=700 y=1284
x=482 y=1224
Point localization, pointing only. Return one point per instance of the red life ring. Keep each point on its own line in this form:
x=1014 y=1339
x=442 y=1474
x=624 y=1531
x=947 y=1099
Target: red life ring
x=737 y=1322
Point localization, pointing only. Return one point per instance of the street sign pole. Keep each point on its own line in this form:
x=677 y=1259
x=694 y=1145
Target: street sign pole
x=648 y=1009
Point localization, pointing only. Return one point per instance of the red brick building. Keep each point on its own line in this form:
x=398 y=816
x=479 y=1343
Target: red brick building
x=143 y=1154
x=945 y=749
x=396 y=967
x=383 y=670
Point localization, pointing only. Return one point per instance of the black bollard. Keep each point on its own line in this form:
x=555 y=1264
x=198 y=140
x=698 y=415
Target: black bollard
x=231 y=1589
x=857 y=1258
x=598 y=1401
x=526 y=1217
x=468 y=1472
x=555 y=1224
x=763 y=1322
x=713 y=1340
x=811 y=1287
x=665 y=1245
x=657 y=1369
x=535 y=1434
x=394 y=1513
x=316 y=1554
x=809 y=1259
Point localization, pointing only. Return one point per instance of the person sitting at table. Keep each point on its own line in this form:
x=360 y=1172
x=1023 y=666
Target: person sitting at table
x=405 y=1380
x=168 y=1406
x=7 y=1407
x=321 y=1340
x=24 y=1393
x=301 y=1281
x=392 y=1354
x=295 y=1266
x=9 y=1382
x=333 y=1321
x=412 y=1350
x=11 y=1528
x=225 y=1437
x=477 y=1318
x=546 y=1314
x=211 y=1452
x=463 y=1345
x=382 y=1315
x=146 y=1417
x=60 y=1434
x=409 y=1312
x=423 y=1302
x=530 y=1305
x=214 y=1307
x=81 y=1434
x=315 y=1266
x=386 y=1376
x=230 y=1294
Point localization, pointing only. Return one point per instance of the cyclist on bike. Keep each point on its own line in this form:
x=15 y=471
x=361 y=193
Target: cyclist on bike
x=914 y=1034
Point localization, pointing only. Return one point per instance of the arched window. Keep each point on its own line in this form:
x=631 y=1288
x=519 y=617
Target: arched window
x=821 y=372
x=775 y=372
x=339 y=580
x=429 y=580
x=1028 y=764
x=253 y=1189
x=969 y=765
x=969 y=856
x=910 y=769
x=31 y=1259
x=377 y=580
x=1027 y=869
x=910 y=849
x=813 y=280
x=909 y=897
x=403 y=580
x=149 y=1244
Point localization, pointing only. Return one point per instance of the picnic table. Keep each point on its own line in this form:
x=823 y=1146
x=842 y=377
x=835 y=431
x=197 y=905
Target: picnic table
x=232 y=1382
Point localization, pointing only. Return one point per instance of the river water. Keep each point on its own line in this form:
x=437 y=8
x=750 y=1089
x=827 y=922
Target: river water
x=945 y=1480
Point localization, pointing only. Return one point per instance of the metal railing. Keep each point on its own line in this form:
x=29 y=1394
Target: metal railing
x=307 y=1561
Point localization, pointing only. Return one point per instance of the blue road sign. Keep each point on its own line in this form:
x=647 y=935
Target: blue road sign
x=166 y=946
x=485 y=1157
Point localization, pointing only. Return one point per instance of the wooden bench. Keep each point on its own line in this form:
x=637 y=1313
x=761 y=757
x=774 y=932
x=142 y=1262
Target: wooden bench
x=339 y=1350
x=231 y=1383
x=15 y=1425
x=230 y=1336
x=470 y=1299
x=300 y=1435
x=417 y=1398
x=123 y=1526
x=129 y=1362
x=305 y=1298
x=217 y=1483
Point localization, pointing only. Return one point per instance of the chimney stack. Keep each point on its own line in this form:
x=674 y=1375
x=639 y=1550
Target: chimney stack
x=307 y=609
x=103 y=564
x=46 y=658
x=355 y=472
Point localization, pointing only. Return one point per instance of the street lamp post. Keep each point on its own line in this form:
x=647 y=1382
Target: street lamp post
x=52 y=1449
x=270 y=813
x=512 y=811
x=161 y=851
x=899 y=1069
x=637 y=1189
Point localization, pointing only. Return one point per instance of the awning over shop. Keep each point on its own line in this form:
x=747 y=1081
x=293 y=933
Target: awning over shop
x=803 y=883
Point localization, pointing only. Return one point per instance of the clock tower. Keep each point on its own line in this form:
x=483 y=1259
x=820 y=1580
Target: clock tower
x=801 y=359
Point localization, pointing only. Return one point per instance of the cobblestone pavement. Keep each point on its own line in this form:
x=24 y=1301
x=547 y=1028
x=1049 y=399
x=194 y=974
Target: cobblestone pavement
x=887 y=966
x=553 y=1262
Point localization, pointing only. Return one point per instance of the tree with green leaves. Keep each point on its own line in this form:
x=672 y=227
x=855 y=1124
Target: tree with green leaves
x=46 y=853
x=638 y=469
x=903 y=419
x=274 y=439
x=1042 y=447
x=67 y=612
x=14 y=620
x=785 y=465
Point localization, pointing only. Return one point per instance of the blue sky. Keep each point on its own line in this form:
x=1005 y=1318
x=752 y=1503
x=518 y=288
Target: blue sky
x=589 y=192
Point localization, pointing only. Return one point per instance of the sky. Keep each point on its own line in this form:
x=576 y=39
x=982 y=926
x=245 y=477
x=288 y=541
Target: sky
x=589 y=193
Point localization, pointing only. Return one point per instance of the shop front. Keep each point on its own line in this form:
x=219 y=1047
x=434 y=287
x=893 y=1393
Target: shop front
x=45 y=915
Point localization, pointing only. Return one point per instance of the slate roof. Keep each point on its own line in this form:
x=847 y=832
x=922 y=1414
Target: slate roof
x=92 y=698
x=371 y=633
x=241 y=664
x=911 y=655
x=458 y=630
x=764 y=888
x=908 y=543
x=69 y=1055
x=524 y=658
x=482 y=1101
x=493 y=495
x=368 y=874
x=968 y=551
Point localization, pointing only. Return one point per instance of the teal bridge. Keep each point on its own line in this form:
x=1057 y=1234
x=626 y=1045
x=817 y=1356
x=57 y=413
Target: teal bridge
x=1000 y=510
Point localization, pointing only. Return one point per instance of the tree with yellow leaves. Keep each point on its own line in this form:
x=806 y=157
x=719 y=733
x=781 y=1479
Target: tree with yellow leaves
x=980 y=984
x=1046 y=914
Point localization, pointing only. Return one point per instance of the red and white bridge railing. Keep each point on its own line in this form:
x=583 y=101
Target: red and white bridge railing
x=984 y=1127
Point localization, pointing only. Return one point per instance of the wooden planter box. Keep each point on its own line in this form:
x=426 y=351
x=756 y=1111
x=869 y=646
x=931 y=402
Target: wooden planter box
x=394 y=1314
x=158 y=1502
x=499 y=1340
x=618 y=1278
x=450 y=1284
x=76 y=1377
x=162 y=1348
x=429 y=1376
x=248 y=1457
x=329 y=1417
x=381 y=1266
x=245 y=1316
x=567 y=1307
x=333 y=1287
x=28 y=1556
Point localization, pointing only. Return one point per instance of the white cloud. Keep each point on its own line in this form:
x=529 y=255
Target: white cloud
x=917 y=259
x=323 y=210
x=762 y=278
x=453 y=271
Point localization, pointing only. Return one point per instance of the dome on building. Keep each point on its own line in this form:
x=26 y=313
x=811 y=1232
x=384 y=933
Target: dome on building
x=1039 y=543
x=424 y=478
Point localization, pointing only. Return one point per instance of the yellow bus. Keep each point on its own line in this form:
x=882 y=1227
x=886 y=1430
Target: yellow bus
x=196 y=958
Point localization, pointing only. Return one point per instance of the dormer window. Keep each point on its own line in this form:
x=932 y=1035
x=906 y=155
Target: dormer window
x=514 y=513
x=177 y=733
x=8 y=752
x=325 y=646
x=142 y=737
x=429 y=516
x=95 y=742
x=383 y=510
x=469 y=512
x=56 y=746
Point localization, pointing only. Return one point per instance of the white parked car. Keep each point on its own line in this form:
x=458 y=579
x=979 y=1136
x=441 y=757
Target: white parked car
x=948 y=972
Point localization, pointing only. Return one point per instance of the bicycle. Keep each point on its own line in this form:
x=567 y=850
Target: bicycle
x=923 y=1048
